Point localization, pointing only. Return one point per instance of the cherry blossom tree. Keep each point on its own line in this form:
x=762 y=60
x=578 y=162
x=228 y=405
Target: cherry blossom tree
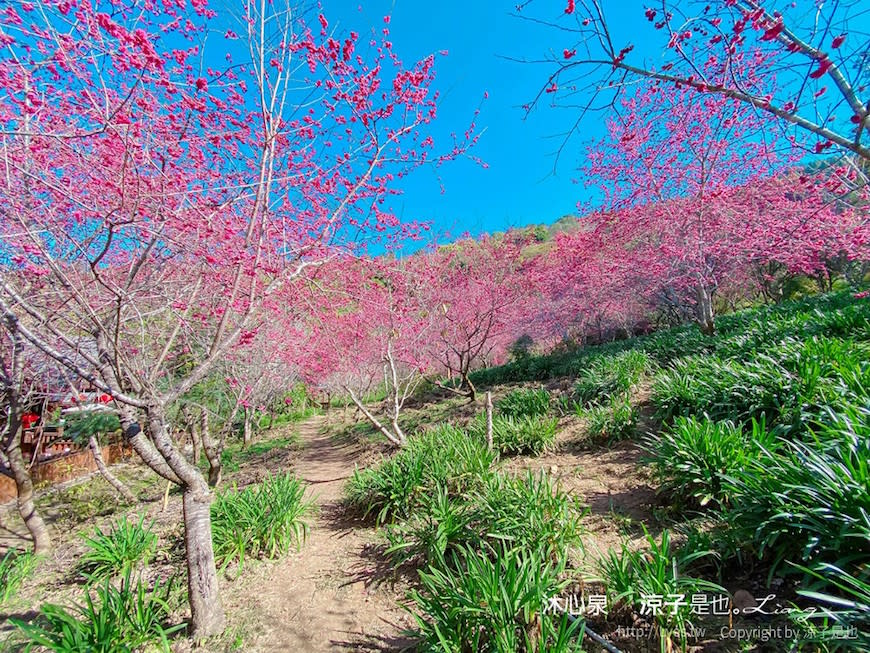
x=475 y=290
x=588 y=290
x=371 y=330
x=152 y=201
x=666 y=168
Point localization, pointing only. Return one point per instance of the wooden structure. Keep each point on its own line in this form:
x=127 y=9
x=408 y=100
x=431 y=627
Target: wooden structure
x=65 y=467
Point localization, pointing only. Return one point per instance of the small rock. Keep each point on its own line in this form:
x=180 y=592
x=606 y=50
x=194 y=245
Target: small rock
x=743 y=599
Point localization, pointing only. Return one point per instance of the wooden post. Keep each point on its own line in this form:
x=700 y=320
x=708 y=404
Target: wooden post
x=489 y=420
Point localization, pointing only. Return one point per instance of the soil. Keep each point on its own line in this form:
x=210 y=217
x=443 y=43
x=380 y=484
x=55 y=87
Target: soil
x=336 y=593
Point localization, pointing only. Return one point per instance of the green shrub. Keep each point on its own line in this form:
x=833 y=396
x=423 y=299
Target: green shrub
x=793 y=383
x=693 y=457
x=118 y=550
x=79 y=427
x=608 y=376
x=493 y=603
x=845 y=600
x=526 y=402
x=629 y=575
x=123 y=618
x=260 y=521
x=444 y=456
x=15 y=567
x=613 y=421
x=722 y=389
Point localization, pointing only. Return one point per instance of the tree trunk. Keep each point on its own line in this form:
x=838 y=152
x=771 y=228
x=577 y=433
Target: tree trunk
x=489 y=420
x=190 y=429
x=195 y=442
x=206 y=608
x=207 y=614
x=397 y=438
x=212 y=452
x=246 y=427
x=24 y=486
x=704 y=309
x=113 y=480
x=472 y=391
x=140 y=443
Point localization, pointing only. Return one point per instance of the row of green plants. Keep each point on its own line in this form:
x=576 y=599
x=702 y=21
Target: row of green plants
x=838 y=315
x=764 y=437
x=121 y=610
x=490 y=548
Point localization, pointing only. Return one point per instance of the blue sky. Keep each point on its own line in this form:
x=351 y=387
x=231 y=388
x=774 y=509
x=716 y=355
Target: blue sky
x=519 y=186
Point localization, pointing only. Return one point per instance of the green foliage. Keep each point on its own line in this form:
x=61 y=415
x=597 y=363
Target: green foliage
x=83 y=501
x=293 y=406
x=525 y=402
x=518 y=435
x=260 y=521
x=846 y=602
x=693 y=458
x=629 y=575
x=443 y=456
x=529 y=512
x=440 y=525
x=494 y=603
x=608 y=376
x=722 y=389
x=521 y=348
x=122 y=619
x=79 y=427
x=15 y=567
x=613 y=421
x=740 y=333
x=235 y=455
x=809 y=501
x=118 y=550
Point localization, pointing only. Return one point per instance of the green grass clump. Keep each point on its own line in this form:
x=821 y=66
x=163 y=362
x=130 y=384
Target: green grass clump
x=793 y=383
x=526 y=402
x=117 y=550
x=532 y=435
x=808 y=501
x=443 y=456
x=260 y=521
x=236 y=454
x=608 y=376
x=494 y=603
x=693 y=458
x=630 y=575
x=529 y=512
x=15 y=567
x=440 y=525
x=613 y=421
x=845 y=601
x=722 y=389
x=127 y=617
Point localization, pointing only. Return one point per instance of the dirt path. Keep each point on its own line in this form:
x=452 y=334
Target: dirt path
x=336 y=593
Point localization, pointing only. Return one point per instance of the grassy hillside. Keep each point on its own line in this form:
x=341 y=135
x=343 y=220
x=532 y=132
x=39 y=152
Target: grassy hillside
x=756 y=441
